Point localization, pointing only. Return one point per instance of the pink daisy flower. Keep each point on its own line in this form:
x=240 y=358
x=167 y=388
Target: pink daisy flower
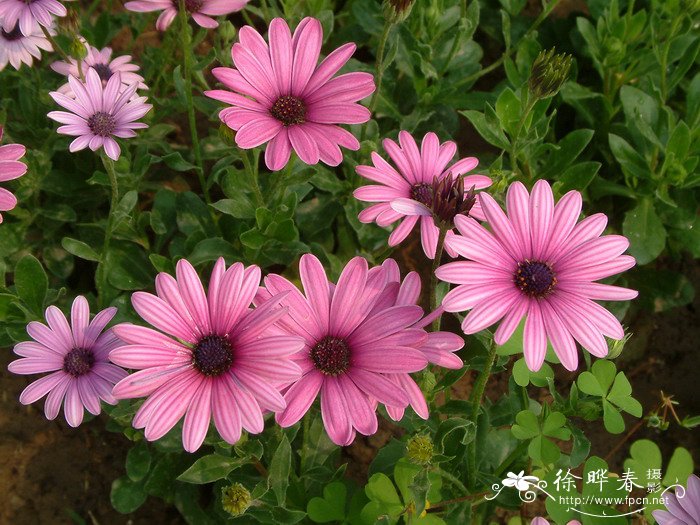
x=99 y=113
x=358 y=334
x=17 y=49
x=683 y=507
x=281 y=96
x=538 y=263
x=201 y=11
x=216 y=356
x=28 y=13
x=409 y=193
x=76 y=356
x=10 y=168
x=101 y=61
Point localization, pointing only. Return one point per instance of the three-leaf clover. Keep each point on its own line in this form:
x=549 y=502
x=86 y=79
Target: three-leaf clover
x=538 y=430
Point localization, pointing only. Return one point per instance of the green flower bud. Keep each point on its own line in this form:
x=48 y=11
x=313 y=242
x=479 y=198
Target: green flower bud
x=227 y=135
x=235 y=499
x=227 y=31
x=616 y=347
x=396 y=11
x=549 y=72
x=78 y=49
x=420 y=449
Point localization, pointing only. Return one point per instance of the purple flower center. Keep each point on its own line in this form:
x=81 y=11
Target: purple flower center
x=289 y=110
x=213 y=355
x=535 y=278
x=15 y=34
x=423 y=193
x=78 y=362
x=102 y=124
x=331 y=355
x=103 y=71
x=192 y=6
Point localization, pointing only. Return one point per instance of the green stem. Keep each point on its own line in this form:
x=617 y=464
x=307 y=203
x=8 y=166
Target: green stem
x=252 y=171
x=55 y=44
x=529 y=104
x=664 y=59
x=433 y=278
x=456 y=43
x=476 y=398
x=187 y=73
x=101 y=276
x=379 y=68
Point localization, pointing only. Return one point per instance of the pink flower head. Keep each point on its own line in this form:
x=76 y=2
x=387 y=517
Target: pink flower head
x=99 y=113
x=201 y=11
x=10 y=168
x=28 y=13
x=541 y=521
x=101 y=61
x=538 y=263
x=17 y=49
x=408 y=193
x=683 y=507
x=76 y=355
x=215 y=357
x=360 y=336
x=282 y=96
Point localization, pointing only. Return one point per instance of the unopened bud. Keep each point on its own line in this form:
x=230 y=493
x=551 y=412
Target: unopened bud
x=227 y=31
x=235 y=499
x=420 y=449
x=616 y=347
x=227 y=135
x=549 y=72
x=396 y=11
x=78 y=48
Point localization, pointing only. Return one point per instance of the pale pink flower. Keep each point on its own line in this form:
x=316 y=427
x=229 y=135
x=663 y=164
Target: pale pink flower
x=542 y=521
x=28 y=13
x=17 y=49
x=99 y=113
x=283 y=97
x=538 y=263
x=201 y=11
x=683 y=507
x=359 y=335
x=76 y=356
x=408 y=192
x=101 y=61
x=216 y=356
x=10 y=168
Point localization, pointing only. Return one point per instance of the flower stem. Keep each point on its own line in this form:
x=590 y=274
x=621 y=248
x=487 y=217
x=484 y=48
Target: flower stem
x=101 y=275
x=252 y=171
x=187 y=74
x=55 y=44
x=476 y=398
x=433 y=278
x=379 y=68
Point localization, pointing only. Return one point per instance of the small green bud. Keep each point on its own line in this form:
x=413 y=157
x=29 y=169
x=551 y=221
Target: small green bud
x=396 y=11
x=614 y=51
x=549 y=72
x=235 y=499
x=78 y=49
x=616 y=347
x=227 y=135
x=420 y=449
x=227 y=31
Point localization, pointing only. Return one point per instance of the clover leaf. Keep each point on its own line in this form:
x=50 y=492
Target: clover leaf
x=529 y=427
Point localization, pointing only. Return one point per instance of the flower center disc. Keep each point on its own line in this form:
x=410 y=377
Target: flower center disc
x=422 y=193
x=78 y=362
x=289 y=110
x=102 y=124
x=103 y=71
x=535 y=278
x=192 y=6
x=15 y=34
x=213 y=355
x=331 y=356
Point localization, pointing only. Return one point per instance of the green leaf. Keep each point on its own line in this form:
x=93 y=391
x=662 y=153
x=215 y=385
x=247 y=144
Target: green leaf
x=31 y=283
x=211 y=468
x=542 y=449
x=239 y=207
x=604 y=371
x=588 y=384
x=79 y=249
x=632 y=163
x=331 y=507
x=679 y=468
x=176 y=162
x=490 y=131
x=280 y=467
x=127 y=495
x=612 y=419
x=527 y=426
x=508 y=109
x=138 y=461
x=647 y=235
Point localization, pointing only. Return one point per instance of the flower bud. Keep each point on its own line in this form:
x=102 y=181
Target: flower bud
x=227 y=135
x=616 y=347
x=396 y=11
x=420 y=449
x=235 y=499
x=549 y=72
x=78 y=48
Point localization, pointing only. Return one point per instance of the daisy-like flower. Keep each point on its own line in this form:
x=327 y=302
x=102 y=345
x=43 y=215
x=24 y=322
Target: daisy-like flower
x=358 y=335
x=99 y=113
x=283 y=97
x=101 y=61
x=201 y=11
x=28 y=13
x=541 y=521
x=76 y=356
x=215 y=357
x=10 y=168
x=538 y=263
x=422 y=188
x=17 y=49
x=683 y=507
